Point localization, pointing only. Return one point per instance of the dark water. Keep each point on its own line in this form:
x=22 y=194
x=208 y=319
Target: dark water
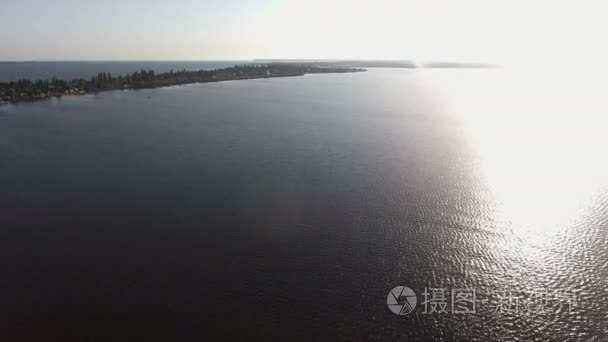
x=71 y=70
x=289 y=208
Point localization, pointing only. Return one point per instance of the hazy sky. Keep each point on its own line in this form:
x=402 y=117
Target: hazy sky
x=469 y=30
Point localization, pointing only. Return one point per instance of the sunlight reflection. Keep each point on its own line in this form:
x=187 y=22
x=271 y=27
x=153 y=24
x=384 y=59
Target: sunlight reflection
x=539 y=141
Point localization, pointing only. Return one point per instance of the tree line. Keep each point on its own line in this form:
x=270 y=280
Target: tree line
x=26 y=89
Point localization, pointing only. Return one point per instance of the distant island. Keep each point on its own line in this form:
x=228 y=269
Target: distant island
x=28 y=90
x=401 y=64
x=345 y=63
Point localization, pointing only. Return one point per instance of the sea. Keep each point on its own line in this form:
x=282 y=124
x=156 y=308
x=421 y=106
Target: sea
x=393 y=204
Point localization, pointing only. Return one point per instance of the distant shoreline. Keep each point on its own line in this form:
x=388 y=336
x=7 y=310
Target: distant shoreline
x=313 y=62
x=26 y=90
x=398 y=64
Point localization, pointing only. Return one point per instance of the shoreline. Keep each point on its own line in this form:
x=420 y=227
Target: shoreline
x=84 y=93
x=25 y=90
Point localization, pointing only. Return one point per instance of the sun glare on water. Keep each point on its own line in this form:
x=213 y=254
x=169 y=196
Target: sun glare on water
x=539 y=141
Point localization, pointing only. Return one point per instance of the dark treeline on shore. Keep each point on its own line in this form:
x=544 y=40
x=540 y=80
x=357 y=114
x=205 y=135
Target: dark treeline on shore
x=28 y=90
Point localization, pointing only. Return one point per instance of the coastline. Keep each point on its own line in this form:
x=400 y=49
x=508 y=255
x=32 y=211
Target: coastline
x=30 y=91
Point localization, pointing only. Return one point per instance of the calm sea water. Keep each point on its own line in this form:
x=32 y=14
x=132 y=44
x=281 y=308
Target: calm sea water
x=291 y=207
x=71 y=70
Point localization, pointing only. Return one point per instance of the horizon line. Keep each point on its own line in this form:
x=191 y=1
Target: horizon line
x=415 y=61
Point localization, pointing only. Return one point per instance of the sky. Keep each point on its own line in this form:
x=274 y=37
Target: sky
x=514 y=31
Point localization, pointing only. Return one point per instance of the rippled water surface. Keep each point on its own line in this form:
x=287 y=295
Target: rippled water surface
x=291 y=207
